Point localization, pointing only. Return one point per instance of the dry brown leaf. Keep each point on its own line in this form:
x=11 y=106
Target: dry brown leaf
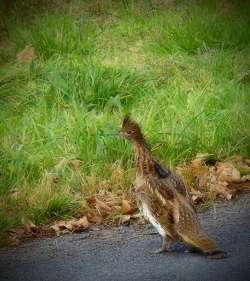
x=14 y=241
x=241 y=165
x=91 y=200
x=83 y=222
x=17 y=235
x=30 y=227
x=196 y=166
x=27 y=54
x=73 y=225
x=212 y=175
x=16 y=232
x=60 y=228
x=220 y=189
x=245 y=178
x=237 y=158
x=102 y=206
x=197 y=197
x=226 y=172
x=200 y=173
x=94 y=217
x=126 y=207
x=80 y=224
x=243 y=168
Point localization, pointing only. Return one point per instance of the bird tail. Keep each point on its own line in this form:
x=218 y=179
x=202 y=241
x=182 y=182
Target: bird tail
x=204 y=243
x=191 y=232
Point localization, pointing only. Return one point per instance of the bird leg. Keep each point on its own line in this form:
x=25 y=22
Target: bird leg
x=164 y=247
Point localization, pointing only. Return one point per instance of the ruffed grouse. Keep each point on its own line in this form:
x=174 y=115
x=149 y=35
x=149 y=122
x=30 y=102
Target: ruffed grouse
x=163 y=198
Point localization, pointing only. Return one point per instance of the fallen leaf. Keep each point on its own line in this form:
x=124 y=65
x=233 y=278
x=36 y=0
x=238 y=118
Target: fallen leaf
x=80 y=224
x=60 y=228
x=245 y=178
x=73 y=225
x=91 y=200
x=126 y=207
x=30 y=226
x=243 y=168
x=220 y=189
x=95 y=218
x=14 y=241
x=102 y=206
x=196 y=166
x=15 y=236
x=238 y=158
x=200 y=172
x=17 y=232
x=197 y=197
x=227 y=172
x=27 y=54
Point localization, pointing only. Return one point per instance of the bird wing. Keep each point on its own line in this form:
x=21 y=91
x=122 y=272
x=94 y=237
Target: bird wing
x=159 y=200
x=170 y=179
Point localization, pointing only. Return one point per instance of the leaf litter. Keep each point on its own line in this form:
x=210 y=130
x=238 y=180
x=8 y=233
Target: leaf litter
x=208 y=178
x=205 y=177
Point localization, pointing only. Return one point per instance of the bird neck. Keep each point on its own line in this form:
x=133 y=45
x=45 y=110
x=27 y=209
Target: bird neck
x=144 y=160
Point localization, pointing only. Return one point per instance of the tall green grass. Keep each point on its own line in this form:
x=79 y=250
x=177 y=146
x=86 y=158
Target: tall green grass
x=181 y=71
x=199 y=28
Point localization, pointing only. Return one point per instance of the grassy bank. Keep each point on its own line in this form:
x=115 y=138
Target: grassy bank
x=181 y=69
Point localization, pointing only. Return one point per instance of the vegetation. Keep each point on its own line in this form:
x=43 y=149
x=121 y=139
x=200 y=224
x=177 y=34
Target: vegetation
x=181 y=68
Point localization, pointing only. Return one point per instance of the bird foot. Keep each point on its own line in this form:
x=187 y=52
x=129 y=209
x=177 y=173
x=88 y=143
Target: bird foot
x=159 y=251
x=192 y=250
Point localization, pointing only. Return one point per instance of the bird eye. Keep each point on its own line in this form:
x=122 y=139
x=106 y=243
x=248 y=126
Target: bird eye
x=129 y=132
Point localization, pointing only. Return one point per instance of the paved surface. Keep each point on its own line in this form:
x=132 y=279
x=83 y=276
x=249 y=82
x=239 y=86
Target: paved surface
x=123 y=254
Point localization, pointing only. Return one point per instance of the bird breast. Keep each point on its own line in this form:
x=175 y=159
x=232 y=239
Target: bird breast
x=144 y=202
x=148 y=215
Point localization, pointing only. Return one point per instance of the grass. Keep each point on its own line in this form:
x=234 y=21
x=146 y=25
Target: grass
x=181 y=69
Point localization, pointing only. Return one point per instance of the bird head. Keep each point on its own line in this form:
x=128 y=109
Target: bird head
x=131 y=131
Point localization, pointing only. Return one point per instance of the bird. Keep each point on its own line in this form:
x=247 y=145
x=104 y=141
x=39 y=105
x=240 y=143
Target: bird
x=164 y=200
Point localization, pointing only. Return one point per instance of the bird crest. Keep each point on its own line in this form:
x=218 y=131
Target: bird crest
x=131 y=130
x=128 y=123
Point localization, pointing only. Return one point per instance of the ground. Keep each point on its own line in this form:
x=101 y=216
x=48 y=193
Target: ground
x=124 y=253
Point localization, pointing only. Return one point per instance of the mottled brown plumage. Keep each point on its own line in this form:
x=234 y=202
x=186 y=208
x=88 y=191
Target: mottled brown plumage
x=163 y=198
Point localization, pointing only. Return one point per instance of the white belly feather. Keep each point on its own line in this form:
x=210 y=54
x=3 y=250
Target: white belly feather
x=147 y=214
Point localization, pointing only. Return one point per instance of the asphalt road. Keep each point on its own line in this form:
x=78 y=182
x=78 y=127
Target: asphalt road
x=124 y=253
